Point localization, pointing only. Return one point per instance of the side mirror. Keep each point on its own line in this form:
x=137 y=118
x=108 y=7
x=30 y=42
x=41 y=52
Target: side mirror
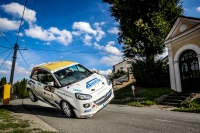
x=50 y=83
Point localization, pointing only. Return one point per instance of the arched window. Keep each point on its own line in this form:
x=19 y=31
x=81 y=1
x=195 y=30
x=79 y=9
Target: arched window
x=189 y=71
x=188 y=55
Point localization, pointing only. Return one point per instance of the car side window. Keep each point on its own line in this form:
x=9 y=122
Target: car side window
x=34 y=75
x=45 y=77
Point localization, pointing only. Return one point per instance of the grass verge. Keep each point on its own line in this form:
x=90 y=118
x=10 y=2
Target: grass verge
x=192 y=107
x=143 y=96
x=13 y=124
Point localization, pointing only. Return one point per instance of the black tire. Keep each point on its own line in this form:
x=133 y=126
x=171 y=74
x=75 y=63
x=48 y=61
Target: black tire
x=32 y=96
x=67 y=109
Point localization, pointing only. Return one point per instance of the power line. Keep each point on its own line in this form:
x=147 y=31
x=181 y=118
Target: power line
x=21 y=21
x=5 y=47
x=23 y=58
x=34 y=4
x=6 y=51
x=5 y=38
x=63 y=50
x=6 y=58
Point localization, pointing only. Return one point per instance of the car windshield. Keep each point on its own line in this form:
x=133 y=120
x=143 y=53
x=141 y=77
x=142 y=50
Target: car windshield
x=72 y=74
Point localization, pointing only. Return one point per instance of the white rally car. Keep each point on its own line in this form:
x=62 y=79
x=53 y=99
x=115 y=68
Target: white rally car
x=70 y=87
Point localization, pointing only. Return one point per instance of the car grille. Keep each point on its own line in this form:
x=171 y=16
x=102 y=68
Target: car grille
x=103 y=99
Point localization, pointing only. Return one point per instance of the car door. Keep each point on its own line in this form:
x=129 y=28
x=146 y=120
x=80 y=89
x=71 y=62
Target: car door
x=35 y=84
x=47 y=90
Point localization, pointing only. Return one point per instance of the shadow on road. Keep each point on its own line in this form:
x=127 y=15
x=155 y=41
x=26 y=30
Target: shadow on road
x=35 y=109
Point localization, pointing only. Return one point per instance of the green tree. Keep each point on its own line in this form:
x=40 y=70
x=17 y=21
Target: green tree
x=117 y=75
x=144 y=24
x=20 y=88
x=151 y=74
x=2 y=83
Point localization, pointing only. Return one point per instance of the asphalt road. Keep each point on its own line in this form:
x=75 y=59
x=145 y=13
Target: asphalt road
x=119 y=119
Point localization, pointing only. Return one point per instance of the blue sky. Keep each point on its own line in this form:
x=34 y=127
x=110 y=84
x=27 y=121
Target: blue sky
x=84 y=28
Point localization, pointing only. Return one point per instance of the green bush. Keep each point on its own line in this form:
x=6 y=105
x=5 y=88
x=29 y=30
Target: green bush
x=2 y=83
x=136 y=104
x=151 y=74
x=194 y=104
x=117 y=75
x=20 y=88
x=192 y=107
x=148 y=102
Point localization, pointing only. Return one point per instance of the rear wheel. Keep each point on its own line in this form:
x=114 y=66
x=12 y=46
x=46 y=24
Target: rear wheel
x=67 y=109
x=31 y=96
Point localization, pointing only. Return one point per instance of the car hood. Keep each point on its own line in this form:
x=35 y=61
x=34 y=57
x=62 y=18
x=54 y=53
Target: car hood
x=88 y=85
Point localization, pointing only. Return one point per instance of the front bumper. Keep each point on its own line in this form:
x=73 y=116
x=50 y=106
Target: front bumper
x=96 y=106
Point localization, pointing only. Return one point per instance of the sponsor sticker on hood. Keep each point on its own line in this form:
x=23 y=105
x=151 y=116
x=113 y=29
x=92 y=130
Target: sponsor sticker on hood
x=92 y=82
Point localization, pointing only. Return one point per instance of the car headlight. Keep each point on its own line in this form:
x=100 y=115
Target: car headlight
x=81 y=96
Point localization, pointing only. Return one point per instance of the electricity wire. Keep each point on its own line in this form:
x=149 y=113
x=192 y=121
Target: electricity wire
x=23 y=58
x=67 y=51
x=21 y=21
x=5 y=51
x=5 y=38
x=61 y=51
x=34 y=4
x=6 y=58
x=5 y=47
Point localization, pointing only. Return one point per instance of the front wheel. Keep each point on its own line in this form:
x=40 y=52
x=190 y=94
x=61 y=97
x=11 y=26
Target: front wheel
x=67 y=109
x=32 y=96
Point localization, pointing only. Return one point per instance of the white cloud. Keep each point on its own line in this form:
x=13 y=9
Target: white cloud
x=107 y=72
x=111 y=60
x=17 y=10
x=113 y=30
x=4 y=72
x=99 y=47
x=21 y=34
x=22 y=40
x=100 y=32
x=115 y=54
x=76 y=33
x=87 y=40
x=83 y=27
x=99 y=24
x=198 y=9
x=18 y=70
x=52 y=34
x=6 y=25
x=109 y=48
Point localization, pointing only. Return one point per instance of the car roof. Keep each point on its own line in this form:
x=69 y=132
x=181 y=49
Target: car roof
x=56 y=65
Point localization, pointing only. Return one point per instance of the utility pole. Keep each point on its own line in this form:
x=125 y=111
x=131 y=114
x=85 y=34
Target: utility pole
x=13 y=66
